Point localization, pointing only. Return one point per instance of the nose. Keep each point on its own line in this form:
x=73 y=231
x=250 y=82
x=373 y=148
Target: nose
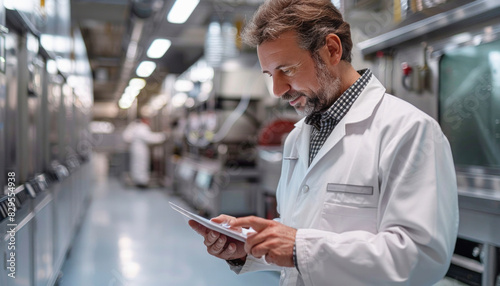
x=280 y=86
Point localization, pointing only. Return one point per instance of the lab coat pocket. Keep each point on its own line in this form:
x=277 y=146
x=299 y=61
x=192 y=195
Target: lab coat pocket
x=342 y=218
x=349 y=207
x=351 y=195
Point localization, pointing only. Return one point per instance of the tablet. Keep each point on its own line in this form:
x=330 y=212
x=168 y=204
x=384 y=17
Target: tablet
x=221 y=228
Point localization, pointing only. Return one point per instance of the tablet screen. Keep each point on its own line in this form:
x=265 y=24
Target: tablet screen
x=221 y=228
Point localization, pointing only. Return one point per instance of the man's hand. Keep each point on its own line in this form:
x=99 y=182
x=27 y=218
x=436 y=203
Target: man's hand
x=273 y=240
x=218 y=244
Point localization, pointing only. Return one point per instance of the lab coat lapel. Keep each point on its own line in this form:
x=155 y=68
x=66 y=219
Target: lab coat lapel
x=337 y=134
x=362 y=108
x=301 y=148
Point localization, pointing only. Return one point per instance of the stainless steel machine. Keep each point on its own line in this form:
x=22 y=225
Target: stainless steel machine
x=216 y=138
x=41 y=129
x=444 y=59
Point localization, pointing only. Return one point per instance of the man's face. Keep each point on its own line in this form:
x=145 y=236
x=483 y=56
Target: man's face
x=305 y=83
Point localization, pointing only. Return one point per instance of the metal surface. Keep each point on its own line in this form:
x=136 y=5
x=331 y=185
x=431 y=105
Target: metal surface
x=479 y=186
x=478 y=9
x=490 y=261
x=34 y=114
x=54 y=94
x=23 y=131
x=39 y=126
x=477 y=221
x=11 y=115
x=43 y=238
x=24 y=249
x=3 y=108
x=213 y=189
x=44 y=134
x=62 y=229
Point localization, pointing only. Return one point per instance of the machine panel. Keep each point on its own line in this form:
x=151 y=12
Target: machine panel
x=469 y=106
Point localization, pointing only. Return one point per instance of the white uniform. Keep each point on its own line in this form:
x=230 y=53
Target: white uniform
x=139 y=135
x=378 y=204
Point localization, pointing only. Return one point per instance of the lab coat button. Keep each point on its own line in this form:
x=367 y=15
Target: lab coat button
x=305 y=189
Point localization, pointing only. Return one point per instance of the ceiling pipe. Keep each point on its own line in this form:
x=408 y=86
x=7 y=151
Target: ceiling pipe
x=142 y=12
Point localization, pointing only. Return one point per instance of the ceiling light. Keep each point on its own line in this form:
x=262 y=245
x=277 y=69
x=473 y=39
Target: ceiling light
x=52 y=67
x=145 y=68
x=131 y=91
x=158 y=48
x=138 y=83
x=181 y=11
x=183 y=85
x=125 y=103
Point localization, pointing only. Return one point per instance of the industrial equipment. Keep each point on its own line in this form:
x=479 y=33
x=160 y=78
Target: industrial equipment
x=40 y=130
x=447 y=59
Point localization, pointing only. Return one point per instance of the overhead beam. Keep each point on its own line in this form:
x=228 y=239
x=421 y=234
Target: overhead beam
x=101 y=12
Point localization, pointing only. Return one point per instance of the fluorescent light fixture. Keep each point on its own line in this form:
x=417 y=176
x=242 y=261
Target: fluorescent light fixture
x=158 y=48
x=181 y=11
x=183 y=85
x=145 y=68
x=64 y=65
x=52 y=67
x=138 y=83
x=125 y=104
x=131 y=91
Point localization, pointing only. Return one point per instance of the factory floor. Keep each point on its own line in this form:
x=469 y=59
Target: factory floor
x=132 y=237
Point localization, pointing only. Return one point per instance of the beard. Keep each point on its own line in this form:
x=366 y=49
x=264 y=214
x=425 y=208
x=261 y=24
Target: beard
x=324 y=97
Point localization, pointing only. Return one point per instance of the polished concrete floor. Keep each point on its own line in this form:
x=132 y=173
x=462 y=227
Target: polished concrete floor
x=133 y=237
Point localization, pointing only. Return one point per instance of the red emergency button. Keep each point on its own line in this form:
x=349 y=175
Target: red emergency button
x=406 y=68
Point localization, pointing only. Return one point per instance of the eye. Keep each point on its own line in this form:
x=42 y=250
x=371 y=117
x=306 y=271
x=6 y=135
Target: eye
x=290 y=71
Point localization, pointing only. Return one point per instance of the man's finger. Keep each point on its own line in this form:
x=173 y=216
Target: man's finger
x=257 y=223
x=218 y=246
x=254 y=240
x=211 y=238
x=228 y=252
x=222 y=219
x=200 y=229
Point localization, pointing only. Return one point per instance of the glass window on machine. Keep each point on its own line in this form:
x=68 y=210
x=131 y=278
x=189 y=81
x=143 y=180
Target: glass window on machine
x=203 y=180
x=469 y=104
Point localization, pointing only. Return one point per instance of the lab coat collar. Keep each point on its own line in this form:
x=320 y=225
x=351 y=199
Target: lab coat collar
x=362 y=109
x=367 y=101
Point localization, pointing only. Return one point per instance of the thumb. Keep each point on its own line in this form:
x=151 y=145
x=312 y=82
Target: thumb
x=226 y=220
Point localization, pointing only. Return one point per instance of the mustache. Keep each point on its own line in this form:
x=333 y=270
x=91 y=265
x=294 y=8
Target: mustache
x=292 y=95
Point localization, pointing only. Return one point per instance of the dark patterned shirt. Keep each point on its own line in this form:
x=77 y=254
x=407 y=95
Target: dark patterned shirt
x=324 y=122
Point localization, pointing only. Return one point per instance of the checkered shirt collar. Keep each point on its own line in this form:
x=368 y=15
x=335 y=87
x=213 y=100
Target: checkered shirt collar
x=340 y=107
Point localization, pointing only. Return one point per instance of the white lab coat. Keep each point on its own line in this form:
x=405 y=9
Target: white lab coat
x=377 y=206
x=139 y=135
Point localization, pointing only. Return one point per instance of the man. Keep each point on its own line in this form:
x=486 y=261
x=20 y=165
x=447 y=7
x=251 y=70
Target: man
x=367 y=194
x=139 y=135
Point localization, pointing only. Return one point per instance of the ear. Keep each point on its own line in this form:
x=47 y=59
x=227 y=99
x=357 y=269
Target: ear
x=334 y=46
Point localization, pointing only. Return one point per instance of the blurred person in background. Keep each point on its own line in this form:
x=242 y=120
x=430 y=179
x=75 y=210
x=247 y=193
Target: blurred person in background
x=139 y=135
x=367 y=193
